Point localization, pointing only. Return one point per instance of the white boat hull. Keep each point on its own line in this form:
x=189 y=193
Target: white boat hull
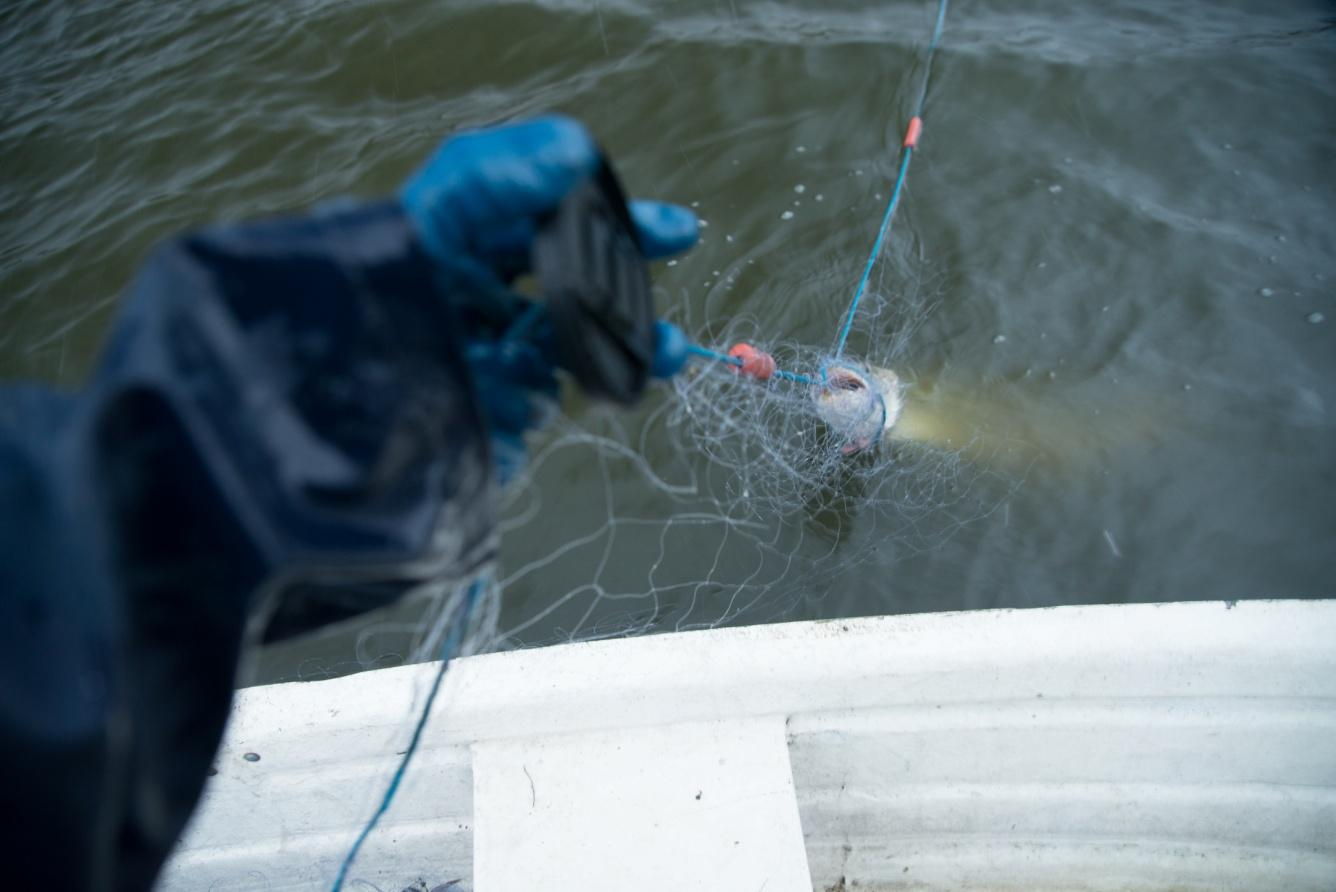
x=1183 y=746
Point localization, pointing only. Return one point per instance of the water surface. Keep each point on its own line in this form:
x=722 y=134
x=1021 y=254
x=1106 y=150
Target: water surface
x=1112 y=274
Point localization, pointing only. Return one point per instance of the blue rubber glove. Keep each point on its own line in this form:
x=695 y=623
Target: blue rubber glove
x=474 y=206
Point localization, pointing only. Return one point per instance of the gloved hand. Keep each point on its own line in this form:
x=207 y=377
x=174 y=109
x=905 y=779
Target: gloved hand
x=474 y=206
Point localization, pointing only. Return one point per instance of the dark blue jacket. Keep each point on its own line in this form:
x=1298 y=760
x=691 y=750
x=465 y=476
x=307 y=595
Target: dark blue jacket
x=281 y=434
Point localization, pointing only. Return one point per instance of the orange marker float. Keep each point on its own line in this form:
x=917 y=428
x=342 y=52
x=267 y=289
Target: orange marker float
x=752 y=362
x=913 y=132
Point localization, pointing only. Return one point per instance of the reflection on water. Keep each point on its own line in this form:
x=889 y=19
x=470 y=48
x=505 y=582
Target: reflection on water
x=1012 y=425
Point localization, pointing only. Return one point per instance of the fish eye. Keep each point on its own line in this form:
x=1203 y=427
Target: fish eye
x=847 y=382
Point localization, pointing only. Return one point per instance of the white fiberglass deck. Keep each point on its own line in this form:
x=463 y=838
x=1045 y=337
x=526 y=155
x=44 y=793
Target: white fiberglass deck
x=1176 y=746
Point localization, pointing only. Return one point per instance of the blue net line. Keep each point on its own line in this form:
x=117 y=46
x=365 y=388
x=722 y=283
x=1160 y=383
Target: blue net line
x=448 y=649
x=908 y=153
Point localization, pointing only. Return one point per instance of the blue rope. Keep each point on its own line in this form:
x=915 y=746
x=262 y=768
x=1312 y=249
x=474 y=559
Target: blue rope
x=895 y=193
x=447 y=651
x=876 y=250
x=707 y=353
x=906 y=155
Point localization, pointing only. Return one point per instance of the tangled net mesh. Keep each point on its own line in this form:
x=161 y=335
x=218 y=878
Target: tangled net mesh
x=720 y=500
x=728 y=500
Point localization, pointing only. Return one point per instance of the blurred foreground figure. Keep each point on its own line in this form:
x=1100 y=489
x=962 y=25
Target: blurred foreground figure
x=294 y=422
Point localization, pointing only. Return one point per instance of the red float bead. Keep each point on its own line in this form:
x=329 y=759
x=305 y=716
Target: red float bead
x=752 y=362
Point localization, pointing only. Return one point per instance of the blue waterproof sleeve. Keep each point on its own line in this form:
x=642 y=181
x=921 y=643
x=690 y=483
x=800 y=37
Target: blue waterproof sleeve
x=281 y=434
x=294 y=421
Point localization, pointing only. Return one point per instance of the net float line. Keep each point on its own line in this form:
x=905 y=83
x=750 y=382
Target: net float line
x=863 y=403
x=749 y=362
x=907 y=146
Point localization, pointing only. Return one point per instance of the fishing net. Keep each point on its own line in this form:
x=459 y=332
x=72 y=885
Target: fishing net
x=722 y=499
x=731 y=500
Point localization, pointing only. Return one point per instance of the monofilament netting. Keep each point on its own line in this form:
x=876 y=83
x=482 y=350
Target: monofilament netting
x=727 y=500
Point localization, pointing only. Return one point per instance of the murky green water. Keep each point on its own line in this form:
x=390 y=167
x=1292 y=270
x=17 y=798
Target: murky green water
x=1119 y=233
